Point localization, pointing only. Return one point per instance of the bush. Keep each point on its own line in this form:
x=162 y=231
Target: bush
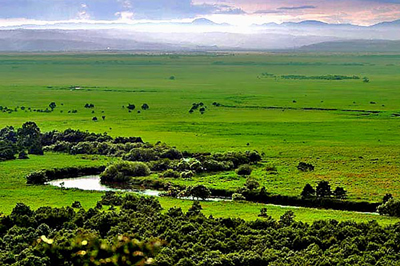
x=171 y=173
x=123 y=171
x=76 y=204
x=7 y=150
x=244 y=170
x=141 y=155
x=37 y=178
x=187 y=174
x=271 y=169
x=216 y=166
x=251 y=184
x=238 y=197
x=305 y=167
x=23 y=155
x=391 y=208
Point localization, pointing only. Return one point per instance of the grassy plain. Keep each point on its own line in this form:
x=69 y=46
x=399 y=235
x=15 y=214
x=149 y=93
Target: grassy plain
x=355 y=150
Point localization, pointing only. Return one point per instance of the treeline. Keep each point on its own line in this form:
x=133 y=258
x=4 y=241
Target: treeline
x=323 y=77
x=68 y=236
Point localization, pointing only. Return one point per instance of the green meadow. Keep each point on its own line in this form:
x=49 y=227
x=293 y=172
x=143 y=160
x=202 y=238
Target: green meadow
x=349 y=147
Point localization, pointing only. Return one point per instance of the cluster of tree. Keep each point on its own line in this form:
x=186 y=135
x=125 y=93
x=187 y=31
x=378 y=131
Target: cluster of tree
x=20 y=141
x=198 y=106
x=77 y=136
x=324 y=77
x=5 y=109
x=89 y=105
x=67 y=236
x=195 y=192
x=323 y=190
x=132 y=107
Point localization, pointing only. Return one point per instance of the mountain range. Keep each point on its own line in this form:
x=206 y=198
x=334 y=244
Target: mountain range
x=201 y=35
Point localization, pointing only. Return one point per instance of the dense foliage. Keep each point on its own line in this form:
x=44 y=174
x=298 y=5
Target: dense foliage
x=67 y=236
x=123 y=171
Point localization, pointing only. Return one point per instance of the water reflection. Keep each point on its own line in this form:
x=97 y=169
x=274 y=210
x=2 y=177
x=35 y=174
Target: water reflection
x=93 y=183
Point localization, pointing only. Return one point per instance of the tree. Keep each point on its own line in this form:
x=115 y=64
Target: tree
x=199 y=192
x=244 y=169
x=391 y=208
x=251 y=183
x=94 y=119
x=7 y=150
x=103 y=117
x=366 y=80
x=131 y=107
x=145 y=106
x=29 y=138
x=263 y=212
x=323 y=189
x=52 y=105
x=387 y=197
x=305 y=167
x=287 y=218
x=340 y=193
x=308 y=191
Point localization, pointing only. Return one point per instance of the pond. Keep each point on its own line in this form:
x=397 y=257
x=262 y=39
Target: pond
x=93 y=183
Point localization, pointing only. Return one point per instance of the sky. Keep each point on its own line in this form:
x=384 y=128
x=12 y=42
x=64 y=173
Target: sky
x=236 y=12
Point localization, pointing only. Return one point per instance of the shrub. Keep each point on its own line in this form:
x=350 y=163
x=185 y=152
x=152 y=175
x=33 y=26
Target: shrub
x=305 y=167
x=391 y=208
x=271 y=169
x=7 y=150
x=238 y=197
x=171 y=173
x=211 y=165
x=37 y=178
x=187 y=174
x=141 y=155
x=123 y=171
x=251 y=184
x=76 y=204
x=23 y=155
x=244 y=169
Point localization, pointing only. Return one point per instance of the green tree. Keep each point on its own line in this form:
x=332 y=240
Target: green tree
x=323 y=189
x=308 y=191
x=52 y=105
x=251 y=183
x=340 y=193
x=29 y=138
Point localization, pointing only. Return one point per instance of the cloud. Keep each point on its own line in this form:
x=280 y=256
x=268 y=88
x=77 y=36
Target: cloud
x=107 y=9
x=296 y=7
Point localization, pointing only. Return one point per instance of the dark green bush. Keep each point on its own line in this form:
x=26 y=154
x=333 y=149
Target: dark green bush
x=123 y=171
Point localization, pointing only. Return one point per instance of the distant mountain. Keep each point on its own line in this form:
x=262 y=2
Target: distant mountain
x=354 y=46
x=305 y=24
x=76 y=40
x=204 y=22
x=390 y=24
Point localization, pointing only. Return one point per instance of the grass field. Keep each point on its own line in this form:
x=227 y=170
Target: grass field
x=13 y=190
x=356 y=150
